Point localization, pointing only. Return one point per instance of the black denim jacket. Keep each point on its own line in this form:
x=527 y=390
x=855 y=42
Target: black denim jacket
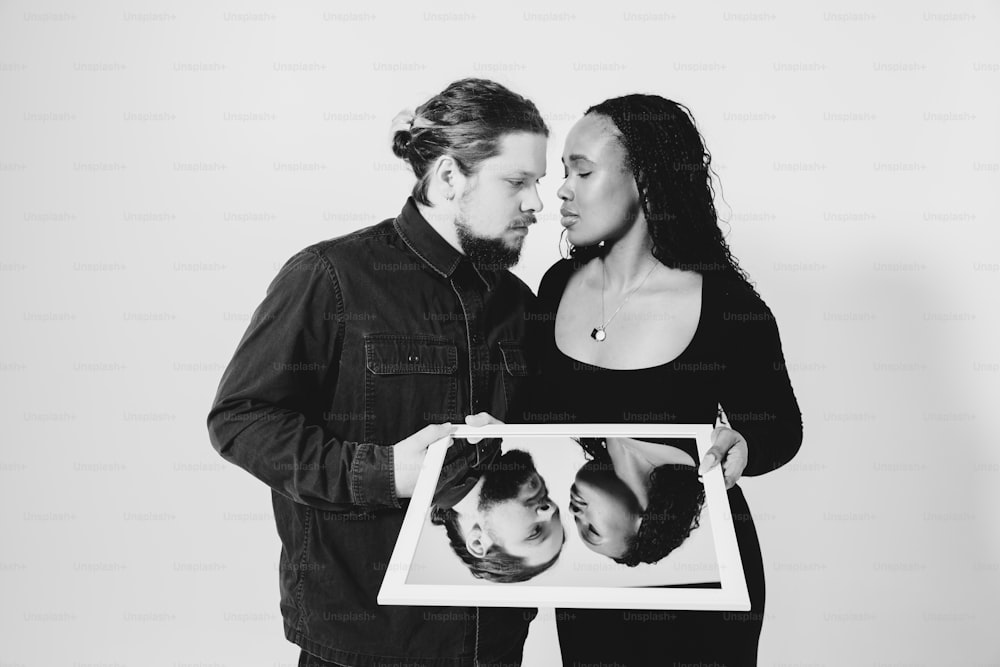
x=361 y=341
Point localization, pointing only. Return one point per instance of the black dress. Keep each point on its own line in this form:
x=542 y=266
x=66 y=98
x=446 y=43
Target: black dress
x=734 y=361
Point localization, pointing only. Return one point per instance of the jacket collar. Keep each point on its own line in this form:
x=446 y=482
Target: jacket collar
x=430 y=246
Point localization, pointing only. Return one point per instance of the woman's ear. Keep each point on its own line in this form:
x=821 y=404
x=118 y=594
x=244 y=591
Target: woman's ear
x=477 y=542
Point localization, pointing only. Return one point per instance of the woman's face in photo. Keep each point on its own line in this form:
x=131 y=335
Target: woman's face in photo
x=600 y=198
x=606 y=512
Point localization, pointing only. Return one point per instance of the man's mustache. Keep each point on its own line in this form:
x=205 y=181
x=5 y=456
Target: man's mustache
x=524 y=220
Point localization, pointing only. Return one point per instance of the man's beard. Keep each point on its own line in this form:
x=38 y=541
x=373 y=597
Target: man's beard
x=503 y=479
x=486 y=253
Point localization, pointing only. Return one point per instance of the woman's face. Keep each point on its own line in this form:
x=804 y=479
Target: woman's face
x=606 y=512
x=600 y=198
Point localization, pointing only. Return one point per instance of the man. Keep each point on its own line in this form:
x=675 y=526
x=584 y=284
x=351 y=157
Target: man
x=505 y=527
x=362 y=347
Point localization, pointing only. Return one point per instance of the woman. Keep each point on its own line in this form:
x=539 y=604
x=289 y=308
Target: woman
x=651 y=319
x=636 y=501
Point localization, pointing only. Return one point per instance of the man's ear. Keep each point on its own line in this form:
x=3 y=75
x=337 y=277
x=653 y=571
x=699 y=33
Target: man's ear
x=448 y=178
x=478 y=542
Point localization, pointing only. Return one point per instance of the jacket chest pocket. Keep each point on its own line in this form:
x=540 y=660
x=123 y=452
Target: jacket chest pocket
x=411 y=380
x=515 y=377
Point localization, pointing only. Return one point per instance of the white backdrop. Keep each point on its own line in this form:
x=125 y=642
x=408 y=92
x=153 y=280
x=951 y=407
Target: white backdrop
x=160 y=161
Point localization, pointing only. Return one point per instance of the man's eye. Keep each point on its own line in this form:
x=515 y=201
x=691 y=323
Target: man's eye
x=584 y=175
x=516 y=184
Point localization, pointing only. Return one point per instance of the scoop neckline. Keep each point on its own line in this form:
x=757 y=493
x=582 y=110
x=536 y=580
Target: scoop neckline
x=694 y=337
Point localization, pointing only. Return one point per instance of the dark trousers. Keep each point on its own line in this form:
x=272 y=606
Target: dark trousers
x=640 y=638
x=488 y=653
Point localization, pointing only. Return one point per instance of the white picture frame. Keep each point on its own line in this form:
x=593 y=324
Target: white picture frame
x=414 y=575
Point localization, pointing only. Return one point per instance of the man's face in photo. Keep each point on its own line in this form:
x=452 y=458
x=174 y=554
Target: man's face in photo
x=516 y=510
x=501 y=200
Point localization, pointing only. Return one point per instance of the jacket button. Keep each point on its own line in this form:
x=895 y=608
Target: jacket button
x=413 y=358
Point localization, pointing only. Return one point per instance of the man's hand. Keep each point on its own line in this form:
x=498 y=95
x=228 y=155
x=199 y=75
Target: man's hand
x=480 y=419
x=408 y=456
x=729 y=447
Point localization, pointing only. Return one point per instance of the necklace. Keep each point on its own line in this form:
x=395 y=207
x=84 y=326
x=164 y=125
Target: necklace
x=600 y=333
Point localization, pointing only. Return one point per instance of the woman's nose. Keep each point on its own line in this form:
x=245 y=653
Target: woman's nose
x=564 y=192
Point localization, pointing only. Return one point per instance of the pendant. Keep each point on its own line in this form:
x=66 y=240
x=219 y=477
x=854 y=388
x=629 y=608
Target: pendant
x=598 y=334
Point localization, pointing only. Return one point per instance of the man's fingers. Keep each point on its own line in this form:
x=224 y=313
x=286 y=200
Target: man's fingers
x=441 y=430
x=434 y=432
x=481 y=419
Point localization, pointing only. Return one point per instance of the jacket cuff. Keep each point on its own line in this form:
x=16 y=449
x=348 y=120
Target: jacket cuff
x=373 y=479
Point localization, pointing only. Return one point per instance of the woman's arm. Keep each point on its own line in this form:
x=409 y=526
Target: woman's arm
x=757 y=395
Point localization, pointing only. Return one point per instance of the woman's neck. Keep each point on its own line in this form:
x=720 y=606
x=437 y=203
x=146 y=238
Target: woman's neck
x=631 y=467
x=634 y=461
x=628 y=259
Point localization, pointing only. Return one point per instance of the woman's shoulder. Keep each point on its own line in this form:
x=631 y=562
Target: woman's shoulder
x=555 y=279
x=555 y=272
x=741 y=309
x=736 y=292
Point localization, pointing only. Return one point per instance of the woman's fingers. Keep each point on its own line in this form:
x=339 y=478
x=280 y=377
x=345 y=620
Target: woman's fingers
x=722 y=440
x=736 y=461
x=730 y=448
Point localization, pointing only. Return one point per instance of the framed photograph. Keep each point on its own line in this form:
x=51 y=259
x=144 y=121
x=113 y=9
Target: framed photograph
x=611 y=516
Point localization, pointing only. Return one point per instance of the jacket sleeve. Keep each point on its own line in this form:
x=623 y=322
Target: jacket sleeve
x=757 y=394
x=267 y=416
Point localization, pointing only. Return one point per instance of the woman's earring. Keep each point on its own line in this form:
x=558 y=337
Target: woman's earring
x=564 y=243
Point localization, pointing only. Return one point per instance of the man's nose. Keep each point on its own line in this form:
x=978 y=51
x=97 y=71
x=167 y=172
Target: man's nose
x=533 y=202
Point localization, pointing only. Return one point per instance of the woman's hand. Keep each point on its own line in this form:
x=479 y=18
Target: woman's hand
x=729 y=447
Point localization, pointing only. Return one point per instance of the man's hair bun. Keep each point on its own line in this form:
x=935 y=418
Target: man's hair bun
x=401 y=144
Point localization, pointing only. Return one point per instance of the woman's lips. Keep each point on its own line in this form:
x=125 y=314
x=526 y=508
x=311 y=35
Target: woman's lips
x=569 y=220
